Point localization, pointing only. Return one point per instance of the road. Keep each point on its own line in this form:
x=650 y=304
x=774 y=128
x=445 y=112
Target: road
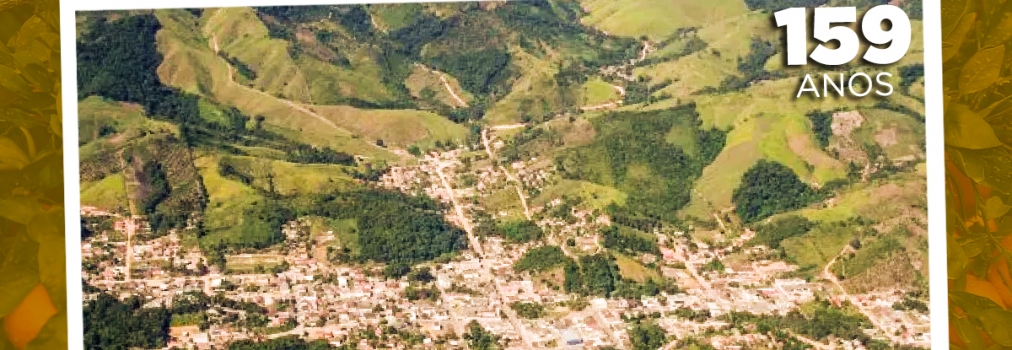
x=131 y=223
x=874 y=320
x=476 y=246
x=516 y=183
x=446 y=84
x=809 y=341
x=296 y=106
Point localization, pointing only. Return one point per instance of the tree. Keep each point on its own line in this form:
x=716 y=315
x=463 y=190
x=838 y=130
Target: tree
x=855 y=243
x=480 y=339
x=768 y=188
x=647 y=337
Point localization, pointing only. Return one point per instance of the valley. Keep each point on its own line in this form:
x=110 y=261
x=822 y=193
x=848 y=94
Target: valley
x=496 y=175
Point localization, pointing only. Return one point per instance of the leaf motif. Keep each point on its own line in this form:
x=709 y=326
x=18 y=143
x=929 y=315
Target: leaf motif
x=982 y=70
x=56 y=125
x=976 y=244
x=995 y=208
x=37 y=75
x=952 y=11
x=957 y=259
x=52 y=40
x=20 y=271
x=968 y=333
x=29 y=31
x=972 y=303
x=19 y=209
x=47 y=229
x=991 y=167
x=12 y=156
x=966 y=129
x=997 y=109
x=954 y=41
x=996 y=325
x=12 y=81
x=52 y=336
x=1000 y=33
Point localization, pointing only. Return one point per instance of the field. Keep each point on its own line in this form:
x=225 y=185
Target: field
x=632 y=269
x=656 y=19
x=249 y=263
x=812 y=251
x=593 y=195
x=108 y=193
x=226 y=201
x=195 y=68
x=597 y=91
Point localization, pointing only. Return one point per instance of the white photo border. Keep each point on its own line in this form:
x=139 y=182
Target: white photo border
x=935 y=146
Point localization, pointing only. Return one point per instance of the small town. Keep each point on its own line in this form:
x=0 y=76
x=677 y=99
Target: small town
x=306 y=294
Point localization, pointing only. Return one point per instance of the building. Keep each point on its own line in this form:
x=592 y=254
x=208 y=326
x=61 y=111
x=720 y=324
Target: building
x=572 y=339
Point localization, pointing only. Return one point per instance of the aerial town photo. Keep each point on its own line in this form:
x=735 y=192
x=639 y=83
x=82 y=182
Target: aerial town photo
x=573 y=174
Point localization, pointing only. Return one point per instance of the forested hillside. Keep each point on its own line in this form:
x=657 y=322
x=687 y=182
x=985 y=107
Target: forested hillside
x=580 y=147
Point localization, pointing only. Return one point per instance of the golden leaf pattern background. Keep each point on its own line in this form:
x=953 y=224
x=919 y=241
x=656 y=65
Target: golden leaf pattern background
x=33 y=307
x=978 y=139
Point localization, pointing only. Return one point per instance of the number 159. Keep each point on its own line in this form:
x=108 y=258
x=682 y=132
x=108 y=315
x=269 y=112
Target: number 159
x=898 y=37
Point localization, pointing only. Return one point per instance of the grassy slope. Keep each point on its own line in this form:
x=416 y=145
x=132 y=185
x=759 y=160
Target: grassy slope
x=536 y=83
x=226 y=201
x=108 y=193
x=103 y=185
x=191 y=65
x=242 y=35
x=597 y=91
x=656 y=18
x=422 y=78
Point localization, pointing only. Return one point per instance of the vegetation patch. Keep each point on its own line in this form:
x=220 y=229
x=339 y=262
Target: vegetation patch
x=769 y=188
x=541 y=259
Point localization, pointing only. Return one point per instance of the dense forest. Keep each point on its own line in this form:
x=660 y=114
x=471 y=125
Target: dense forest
x=599 y=275
x=112 y=324
x=638 y=139
x=481 y=60
x=628 y=240
x=541 y=259
x=771 y=234
x=768 y=188
x=392 y=227
x=528 y=310
x=125 y=70
x=821 y=320
x=119 y=60
x=291 y=342
x=478 y=338
x=822 y=125
x=647 y=336
x=751 y=68
x=521 y=231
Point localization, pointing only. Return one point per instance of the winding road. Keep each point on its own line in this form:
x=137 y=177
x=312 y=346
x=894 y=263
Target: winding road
x=832 y=278
x=296 y=106
x=446 y=84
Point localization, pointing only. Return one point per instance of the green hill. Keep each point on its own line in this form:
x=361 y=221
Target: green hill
x=652 y=112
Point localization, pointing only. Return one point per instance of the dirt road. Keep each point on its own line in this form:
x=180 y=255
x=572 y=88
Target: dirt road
x=476 y=246
x=296 y=106
x=828 y=274
x=516 y=183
